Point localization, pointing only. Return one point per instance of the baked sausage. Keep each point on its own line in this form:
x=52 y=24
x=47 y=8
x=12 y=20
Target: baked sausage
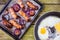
x=31 y=5
x=14 y=15
x=22 y=13
x=14 y=23
x=21 y=3
x=6 y=23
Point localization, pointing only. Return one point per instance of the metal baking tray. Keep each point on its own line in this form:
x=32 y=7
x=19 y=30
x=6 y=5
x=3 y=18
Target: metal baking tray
x=27 y=24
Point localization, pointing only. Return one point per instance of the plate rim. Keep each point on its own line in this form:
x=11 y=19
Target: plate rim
x=39 y=21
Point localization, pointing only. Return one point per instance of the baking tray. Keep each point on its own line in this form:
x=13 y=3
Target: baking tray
x=3 y=27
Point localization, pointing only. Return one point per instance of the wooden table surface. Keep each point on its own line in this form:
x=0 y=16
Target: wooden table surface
x=49 y=6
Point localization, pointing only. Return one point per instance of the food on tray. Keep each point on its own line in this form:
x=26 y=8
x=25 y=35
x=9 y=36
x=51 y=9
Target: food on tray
x=43 y=33
x=22 y=22
x=6 y=16
x=17 y=32
x=57 y=27
x=16 y=7
x=18 y=16
x=13 y=14
x=29 y=11
x=6 y=23
x=22 y=13
x=32 y=13
x=14 y=23
x=31 y=5
x=21 y=3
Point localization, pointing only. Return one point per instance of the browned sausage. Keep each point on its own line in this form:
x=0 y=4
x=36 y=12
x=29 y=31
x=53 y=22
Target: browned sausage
x=21 y=3
x=14 y=23
x=31 y=5
x=6 y=23
x=22 y=13
x=14 y=15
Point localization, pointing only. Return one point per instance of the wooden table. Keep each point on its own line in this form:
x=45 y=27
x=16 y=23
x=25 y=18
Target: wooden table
x=49 y=6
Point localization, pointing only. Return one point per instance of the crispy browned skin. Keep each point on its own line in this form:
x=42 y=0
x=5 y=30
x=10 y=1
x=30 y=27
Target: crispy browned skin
x=14 y=23
x=6 y=23
x=31 y=5
x=14 y=15
x=22 y=13
x=21 y=3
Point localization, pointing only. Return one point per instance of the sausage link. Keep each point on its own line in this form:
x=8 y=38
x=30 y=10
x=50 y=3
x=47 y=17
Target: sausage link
x=21 y=3
x=6 y=23
x=14 y=15
x=22 y=13
x=14 y=23
x=31 y=5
